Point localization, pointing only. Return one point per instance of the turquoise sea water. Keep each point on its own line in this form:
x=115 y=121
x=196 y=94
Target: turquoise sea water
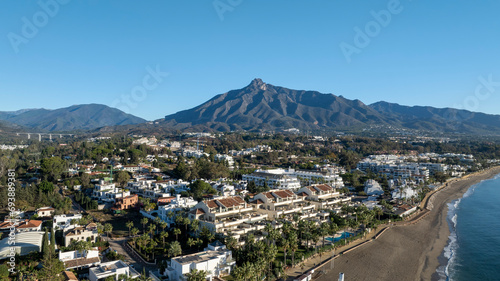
x=473 y=250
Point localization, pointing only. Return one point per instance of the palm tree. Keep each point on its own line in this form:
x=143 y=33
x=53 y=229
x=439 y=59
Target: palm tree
x=195 y=226
x=163 y=236
x=157 y=220
x=151 y=229
x=286 y=245
x=129 y=225
x=163 y=225
x=294 y=246
x=196 y=275
x=378 y=212
x=191 y=242
x=108 y=228
x=153 y=244
x=134 y=233
x=176 y=233
x=174 y=249
x=323 y=231
x=144 y=221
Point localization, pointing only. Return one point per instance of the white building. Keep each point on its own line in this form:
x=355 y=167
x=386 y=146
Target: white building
x=216 y=260
x=404 y=192
x=224 y=158
x=112 y=268
x=175 y=205
x=64 y=221
x=275 y=179
x=373 y=188
x=108 y=192
x=77 y=259
x=25 y=243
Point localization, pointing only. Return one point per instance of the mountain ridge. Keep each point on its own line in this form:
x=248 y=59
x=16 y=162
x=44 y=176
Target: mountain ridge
x=262 y=106
x=75 y=117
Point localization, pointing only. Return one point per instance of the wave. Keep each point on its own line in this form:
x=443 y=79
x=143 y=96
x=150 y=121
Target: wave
x=450 y=249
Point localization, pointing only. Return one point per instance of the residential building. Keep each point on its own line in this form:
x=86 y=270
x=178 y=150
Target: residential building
x=373 y=188
x=112 y=268
x=216 y=260
x=128 y=202
x=21 y=225
x=228 y=216
x=108 y=192
x=77 y=259
x=166 y=212
x=275 y=179
x=44 y=212
x=87 y=233
x=64 y=221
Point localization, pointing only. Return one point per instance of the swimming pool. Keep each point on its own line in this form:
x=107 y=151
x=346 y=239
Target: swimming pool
x=342 y=236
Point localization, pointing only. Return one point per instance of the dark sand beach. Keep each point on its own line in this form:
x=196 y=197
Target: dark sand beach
x=408 y=252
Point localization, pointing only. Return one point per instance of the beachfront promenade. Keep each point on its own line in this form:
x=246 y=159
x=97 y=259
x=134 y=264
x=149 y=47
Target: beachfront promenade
x=405 y=250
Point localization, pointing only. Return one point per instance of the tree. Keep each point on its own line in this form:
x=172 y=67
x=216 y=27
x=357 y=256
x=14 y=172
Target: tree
x=52 y=168
x=46 y=187
x=196 y=275
x=144 y=221
x=176 y=232
x=129 y=225
x=4 y=272
x=163 y=236
x=200 y=188
x=108 y=228
x=174 y=249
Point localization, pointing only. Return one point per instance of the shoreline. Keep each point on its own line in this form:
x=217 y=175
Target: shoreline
x=409 y=251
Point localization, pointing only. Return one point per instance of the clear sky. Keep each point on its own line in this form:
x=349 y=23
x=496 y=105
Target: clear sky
x=427 y=53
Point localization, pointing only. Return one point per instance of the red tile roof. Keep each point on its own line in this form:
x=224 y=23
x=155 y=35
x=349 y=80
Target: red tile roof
x=30 y=224
x=324 y=187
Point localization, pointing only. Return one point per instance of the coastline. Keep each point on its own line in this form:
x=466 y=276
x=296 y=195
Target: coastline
x=411 y=251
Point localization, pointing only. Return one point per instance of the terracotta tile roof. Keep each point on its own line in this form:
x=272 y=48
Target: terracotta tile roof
x=70 y=276
x=311 y=189
x=283 y=193
x=229 y=202
x=239 y=199
x=324 y=187
x=302 y=194
x=197 y=212
x=269 y=195
x=211 y=204
x=30 y=224
x=80 y=262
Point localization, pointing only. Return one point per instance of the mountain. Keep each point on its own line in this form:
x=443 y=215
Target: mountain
x=261 y=106
x=439 y=119
x=76 y=117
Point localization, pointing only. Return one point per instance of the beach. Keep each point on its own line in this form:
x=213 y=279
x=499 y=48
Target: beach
x=406 y=252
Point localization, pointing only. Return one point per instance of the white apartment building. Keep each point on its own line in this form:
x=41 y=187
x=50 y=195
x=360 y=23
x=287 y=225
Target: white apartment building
x=177 y=204
x=228 y=216
x=373 y=188
x=77 y=259
x=216 y=260
x=108 y=192
x=275 y=179
x=112 y=268
x=64 y=221
x=223 y=158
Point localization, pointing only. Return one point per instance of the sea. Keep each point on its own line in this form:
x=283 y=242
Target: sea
x=473 y=249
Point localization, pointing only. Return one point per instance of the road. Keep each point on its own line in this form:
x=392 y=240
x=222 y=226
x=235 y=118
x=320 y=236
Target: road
x=130 y=256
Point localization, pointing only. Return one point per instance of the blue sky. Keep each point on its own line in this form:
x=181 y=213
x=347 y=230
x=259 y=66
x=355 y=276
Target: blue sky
x=428 y=53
